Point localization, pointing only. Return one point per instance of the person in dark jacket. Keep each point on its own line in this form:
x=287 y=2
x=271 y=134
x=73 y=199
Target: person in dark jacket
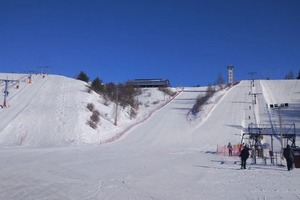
x=289 y=157
x=244 y=156
x=229 y=147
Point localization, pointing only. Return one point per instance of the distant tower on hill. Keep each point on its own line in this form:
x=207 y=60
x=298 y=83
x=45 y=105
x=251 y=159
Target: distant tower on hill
x=230 y=74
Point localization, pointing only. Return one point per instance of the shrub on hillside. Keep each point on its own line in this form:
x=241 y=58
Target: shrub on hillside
x=133 y=113
x=92 y=124
x=155 y=102
x=202 y=99
x=90 y=107
x=95 y=118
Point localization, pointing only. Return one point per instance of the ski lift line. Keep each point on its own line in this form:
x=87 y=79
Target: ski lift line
x=22 y=78
x=43 y=69
x=261 y=101
x=19 y=90
x=14 y=82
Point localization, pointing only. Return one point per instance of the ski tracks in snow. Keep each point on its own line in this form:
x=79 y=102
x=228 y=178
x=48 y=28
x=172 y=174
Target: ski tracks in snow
x=260 y=182
x=60 y=109
x=64 y=111
x=116 y=189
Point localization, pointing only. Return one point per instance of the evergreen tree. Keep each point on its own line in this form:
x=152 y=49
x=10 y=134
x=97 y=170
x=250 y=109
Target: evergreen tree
x=97 y=85
x=298 y=75
x=83 y=77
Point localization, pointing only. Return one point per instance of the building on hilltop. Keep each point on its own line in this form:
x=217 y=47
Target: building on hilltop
x=149 y=82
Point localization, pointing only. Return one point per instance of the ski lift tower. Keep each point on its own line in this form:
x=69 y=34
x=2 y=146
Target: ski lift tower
x=230 y=74
x=252 y=78
x=6 y=90
x=30 y=76
x=44 y=69
x=254 y=97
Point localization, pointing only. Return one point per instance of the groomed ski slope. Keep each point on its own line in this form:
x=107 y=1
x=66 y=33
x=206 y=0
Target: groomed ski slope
x=169 y=156
x=37 y=113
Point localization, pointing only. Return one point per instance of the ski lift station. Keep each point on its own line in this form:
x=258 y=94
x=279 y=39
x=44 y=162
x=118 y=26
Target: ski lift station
x=158 y=82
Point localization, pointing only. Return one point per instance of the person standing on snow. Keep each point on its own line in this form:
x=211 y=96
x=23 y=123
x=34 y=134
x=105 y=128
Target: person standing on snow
x=229 y=147
x=244 y=156
x=289 y=157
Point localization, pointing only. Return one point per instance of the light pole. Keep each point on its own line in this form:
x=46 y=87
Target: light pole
x=252 y=78
x=280 y=127
x=278 y=107
x=30 y=77
x=117 y=102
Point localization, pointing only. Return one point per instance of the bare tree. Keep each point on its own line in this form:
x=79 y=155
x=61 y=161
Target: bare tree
x=220 y=80
x=290 y=75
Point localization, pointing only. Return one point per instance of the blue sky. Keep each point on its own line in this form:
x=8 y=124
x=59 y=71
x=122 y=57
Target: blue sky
x=188 y=42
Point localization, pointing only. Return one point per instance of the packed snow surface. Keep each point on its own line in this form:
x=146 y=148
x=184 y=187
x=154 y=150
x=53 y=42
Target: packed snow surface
x=49 y=152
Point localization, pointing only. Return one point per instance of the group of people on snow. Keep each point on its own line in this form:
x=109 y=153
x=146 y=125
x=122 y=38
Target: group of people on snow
x=244 y=155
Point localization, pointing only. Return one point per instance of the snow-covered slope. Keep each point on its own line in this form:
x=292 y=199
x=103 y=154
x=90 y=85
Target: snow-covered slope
x=171 y=155
x=52 y=110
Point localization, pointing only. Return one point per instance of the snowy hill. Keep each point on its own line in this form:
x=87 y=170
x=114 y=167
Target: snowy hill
x=52 y=110
x=165 y=153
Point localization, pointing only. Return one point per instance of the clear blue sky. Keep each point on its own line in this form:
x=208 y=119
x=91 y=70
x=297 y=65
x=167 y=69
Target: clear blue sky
x=188 y=42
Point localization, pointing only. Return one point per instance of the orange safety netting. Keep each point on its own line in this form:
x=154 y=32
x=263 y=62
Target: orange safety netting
x=222 y=149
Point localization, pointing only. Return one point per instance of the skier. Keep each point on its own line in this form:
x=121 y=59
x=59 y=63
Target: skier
x=244 y=156
x=289 y=157
x=229 y=147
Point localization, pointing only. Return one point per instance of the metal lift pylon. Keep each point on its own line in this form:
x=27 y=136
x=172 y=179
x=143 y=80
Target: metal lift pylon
x=6 y=90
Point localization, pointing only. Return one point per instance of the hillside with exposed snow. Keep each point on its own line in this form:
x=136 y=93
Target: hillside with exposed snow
x=52 y=110
x=166 y=152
